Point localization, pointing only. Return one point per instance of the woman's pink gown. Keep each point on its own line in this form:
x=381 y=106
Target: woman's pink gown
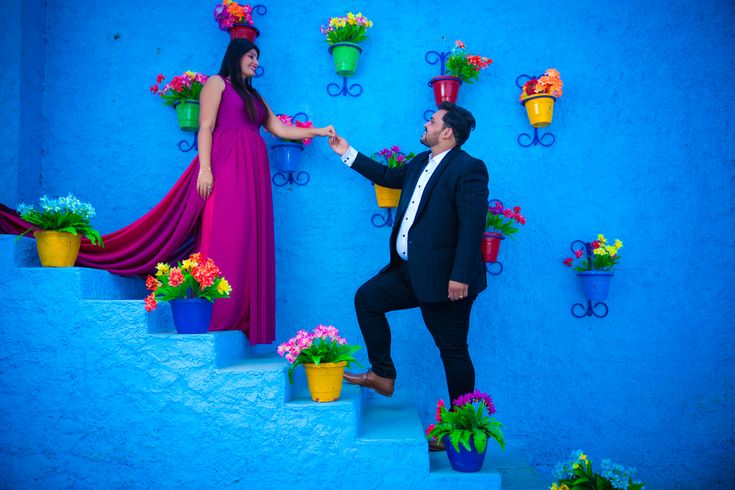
x=234 y=226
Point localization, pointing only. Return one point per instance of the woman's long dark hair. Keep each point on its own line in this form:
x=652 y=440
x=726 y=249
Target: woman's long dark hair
x=231 y=69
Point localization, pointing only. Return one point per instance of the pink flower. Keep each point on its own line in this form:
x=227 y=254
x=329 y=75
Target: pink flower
x=439 y=409
x=430 y=428
x=476 y=396
x=568 y=261
x=578 y=253
x=459 y=44
x=160 y=78
x=153 y=89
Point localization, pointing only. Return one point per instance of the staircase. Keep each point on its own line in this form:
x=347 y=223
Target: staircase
x=97 y=393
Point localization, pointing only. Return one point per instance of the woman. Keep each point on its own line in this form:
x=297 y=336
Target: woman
x=221 y=206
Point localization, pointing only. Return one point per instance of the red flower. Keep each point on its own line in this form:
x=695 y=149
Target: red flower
x=175 y=277
x=151 y=283
x=595 y=245
x=153 y=89
x=568 y=261
x=150 y=302
x=578 y=253
x=430 y=428
x=160 y=78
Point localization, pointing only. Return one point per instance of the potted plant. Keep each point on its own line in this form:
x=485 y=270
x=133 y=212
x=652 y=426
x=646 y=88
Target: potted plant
x=236 y=19
x=595 y=269
x=60 y=223
x=343 y=34
x=286 y=154
x=324 y=355
x=461 y=67
x=465 y=429
x=394 y=158
x=191 y=287
x=577 y=474
x=499 y=223
x=182 y=92
x=538 y=96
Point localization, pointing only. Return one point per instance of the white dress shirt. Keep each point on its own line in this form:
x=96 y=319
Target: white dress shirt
x=408 y=218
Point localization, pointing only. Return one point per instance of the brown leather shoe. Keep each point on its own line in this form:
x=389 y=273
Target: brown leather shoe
x=436 y=445
x=383 y=386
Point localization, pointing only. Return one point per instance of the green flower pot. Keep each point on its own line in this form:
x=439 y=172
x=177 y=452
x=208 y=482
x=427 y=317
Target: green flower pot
x=345 y=58
x=188 y=114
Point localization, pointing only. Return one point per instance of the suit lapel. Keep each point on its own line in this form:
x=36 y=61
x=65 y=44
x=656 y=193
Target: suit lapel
x=435 y=178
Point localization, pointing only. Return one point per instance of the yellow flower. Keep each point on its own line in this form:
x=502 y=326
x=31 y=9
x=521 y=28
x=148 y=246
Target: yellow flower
x=618 y=244
x=600 y=251
x=188 y=264
x=162 y=269
x=601 y=238
x=575 y=466
x=554 y=487
x=563 y=487
x=583 y=457
x=224 y=287
x=610 y=250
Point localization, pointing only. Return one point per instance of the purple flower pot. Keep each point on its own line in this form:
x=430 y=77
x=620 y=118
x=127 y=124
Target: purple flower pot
x=464 y=460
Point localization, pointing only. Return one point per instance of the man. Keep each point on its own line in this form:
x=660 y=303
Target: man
x=435 y=259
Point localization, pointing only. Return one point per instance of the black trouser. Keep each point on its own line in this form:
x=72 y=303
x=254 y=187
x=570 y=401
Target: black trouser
x=447 y=321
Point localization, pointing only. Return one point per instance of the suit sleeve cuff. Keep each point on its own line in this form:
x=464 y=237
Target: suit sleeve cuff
x=349 y=156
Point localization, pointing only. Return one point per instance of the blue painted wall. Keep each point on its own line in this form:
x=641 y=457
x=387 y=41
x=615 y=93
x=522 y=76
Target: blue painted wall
x=644 y=152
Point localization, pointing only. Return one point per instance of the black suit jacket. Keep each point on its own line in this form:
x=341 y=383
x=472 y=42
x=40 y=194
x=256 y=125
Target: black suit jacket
x=445 y=238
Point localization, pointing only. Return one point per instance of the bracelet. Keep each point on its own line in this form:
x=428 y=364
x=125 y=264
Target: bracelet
x=208 y=168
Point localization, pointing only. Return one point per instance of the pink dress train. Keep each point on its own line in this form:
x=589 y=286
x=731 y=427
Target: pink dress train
x=234 y=226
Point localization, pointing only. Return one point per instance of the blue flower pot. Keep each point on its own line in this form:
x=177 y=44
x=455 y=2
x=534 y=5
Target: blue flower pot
x=286 y=156
x=596 y=284
x=191 y=315
x=464 y=460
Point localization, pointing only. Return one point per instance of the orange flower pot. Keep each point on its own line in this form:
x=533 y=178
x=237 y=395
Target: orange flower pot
x=540 y=109
x=57 y=248
x=387 y=198
x=325 y=380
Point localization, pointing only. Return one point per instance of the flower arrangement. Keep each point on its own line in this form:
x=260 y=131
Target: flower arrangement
x=504 y=220
x=604 y=256
x=323 y=344
x=195 y=277
x=290 y=121
x=67 y=214
x=393 y=156
x=229 y=13
x=351 y=28
x=548 y=83
x=186 y=86
x=468 y=418
x=578 y=474
x=465 y=66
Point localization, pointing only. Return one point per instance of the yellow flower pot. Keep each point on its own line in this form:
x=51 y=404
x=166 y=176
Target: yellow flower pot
x=325 y=380
x=57 y=248
x=387 y=198
x=540 y=109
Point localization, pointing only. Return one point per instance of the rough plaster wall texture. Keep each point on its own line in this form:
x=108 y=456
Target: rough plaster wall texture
x=625 y=163
x=10 y=97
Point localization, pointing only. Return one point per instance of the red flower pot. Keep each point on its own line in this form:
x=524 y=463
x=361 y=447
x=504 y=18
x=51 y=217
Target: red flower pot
x=446 y=88
x=491 y=245
x=243 y=31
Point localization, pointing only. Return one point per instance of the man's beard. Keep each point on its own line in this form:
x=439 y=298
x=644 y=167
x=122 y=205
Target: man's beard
x=426 y=140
